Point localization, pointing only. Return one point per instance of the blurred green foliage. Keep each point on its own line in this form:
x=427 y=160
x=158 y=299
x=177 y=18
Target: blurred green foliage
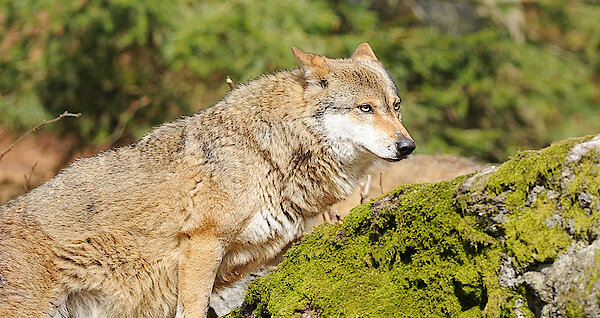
x=472 y=84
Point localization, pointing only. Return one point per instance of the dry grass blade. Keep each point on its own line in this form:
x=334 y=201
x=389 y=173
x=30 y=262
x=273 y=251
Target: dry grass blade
x=28 y=186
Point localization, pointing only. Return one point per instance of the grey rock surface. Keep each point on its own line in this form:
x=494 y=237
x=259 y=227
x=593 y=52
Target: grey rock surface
x=223 y=301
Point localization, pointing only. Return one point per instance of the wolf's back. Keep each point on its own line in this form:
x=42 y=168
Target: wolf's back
x=100 y=222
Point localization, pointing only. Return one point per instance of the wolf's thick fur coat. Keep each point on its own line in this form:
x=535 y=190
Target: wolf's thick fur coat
x=150 y=229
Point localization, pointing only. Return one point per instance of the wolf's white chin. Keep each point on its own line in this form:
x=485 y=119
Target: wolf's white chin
x=387 y=153
x=350 y=141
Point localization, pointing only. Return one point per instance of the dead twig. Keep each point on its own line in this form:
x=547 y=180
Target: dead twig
x=327 y=215
x=330 y=216
x=38 y=126
x=338 y=219
x=380 y=183
x=364 y=189
x=230 y=82
x=124 y=118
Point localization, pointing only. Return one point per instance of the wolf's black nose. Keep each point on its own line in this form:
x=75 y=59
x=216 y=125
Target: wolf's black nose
x=405 y=146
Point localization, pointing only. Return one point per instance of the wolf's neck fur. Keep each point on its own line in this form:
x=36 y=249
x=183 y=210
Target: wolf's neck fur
x=287 y=171
x=310 y=174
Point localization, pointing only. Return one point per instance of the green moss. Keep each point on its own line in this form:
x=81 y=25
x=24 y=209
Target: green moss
x=574 y=310
x=528 y=237
x=585 y=215
x=516 y=305
x=593 y=278
x=437 y=248
x=402 y=255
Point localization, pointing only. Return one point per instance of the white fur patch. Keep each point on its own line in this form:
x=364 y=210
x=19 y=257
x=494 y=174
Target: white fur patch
x=264 y=226
x=345 y=135
x=180 y=312
x=82 y=304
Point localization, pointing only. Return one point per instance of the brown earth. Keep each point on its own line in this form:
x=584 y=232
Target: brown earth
x=35 y=159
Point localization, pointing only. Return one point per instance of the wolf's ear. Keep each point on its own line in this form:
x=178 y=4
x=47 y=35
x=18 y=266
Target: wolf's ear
x=364 y=52
x=308 y=59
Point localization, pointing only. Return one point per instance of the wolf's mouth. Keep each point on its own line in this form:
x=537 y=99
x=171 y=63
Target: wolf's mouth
x=394 y=159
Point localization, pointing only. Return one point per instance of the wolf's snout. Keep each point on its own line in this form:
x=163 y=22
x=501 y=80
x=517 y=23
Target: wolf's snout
x=405 y=146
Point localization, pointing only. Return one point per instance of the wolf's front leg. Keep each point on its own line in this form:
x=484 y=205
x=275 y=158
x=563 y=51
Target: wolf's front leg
x=202 y=254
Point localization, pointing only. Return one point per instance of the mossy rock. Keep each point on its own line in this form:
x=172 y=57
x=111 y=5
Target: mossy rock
x=519 y=240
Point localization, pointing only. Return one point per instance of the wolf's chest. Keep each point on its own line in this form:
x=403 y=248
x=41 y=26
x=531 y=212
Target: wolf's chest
x=262 y=239
x=265 y=226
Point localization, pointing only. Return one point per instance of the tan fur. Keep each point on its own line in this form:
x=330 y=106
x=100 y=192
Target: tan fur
x=150 y=229
x=364 y=51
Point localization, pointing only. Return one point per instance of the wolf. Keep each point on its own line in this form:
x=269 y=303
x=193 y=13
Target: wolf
x=151 y=229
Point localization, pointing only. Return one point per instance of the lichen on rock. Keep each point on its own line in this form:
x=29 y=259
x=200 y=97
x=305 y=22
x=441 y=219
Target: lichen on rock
x=517 y=240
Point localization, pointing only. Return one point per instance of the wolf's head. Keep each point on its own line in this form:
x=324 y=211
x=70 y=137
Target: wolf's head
x=355 y=105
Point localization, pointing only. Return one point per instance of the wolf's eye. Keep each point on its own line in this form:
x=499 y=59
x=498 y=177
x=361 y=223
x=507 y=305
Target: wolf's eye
x=366 y=108
x=397 y=105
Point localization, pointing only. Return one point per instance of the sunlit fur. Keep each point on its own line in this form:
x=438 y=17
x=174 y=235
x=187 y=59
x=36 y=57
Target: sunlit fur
x=150 y=229
x=349 y=130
